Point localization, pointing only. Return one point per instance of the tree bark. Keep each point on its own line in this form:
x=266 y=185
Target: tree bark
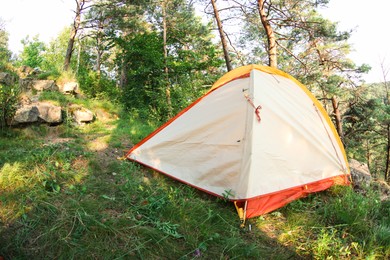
x=73 y=33
x=222 y=36
x=99 y=54
x=272 y=55
x=123 y=78
x=387 y=170
x=166 y=70
x=337 y=118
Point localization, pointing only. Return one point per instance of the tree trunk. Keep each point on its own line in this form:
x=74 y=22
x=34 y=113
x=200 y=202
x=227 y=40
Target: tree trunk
x=223 y=38
x=337 y=118
x=386 y=103
x=99 y=54
x=166 y=71
x=123 y=79
x=368 y=153
x=73 y=33
x=387 y=170
x=78 y=58
x=272 y=55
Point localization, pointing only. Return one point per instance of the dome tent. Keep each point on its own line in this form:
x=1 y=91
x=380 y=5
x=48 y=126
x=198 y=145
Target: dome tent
x=258 y=136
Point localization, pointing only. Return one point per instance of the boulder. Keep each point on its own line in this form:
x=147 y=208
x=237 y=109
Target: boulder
x=41 y=85
x=28 y=84
x=383 y=188
x=37 y=112
x=25 y=114
x=49 y=113
x=81 y=115
x=6 y=78
x=69 y=88
x=361 y=176
x=26 y=71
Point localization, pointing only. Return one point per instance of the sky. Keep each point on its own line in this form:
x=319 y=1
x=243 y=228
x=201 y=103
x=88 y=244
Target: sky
x=368 y=19
x=46 y=18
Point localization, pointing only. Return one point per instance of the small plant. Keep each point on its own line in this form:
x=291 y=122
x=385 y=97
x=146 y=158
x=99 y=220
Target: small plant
x=227 y=194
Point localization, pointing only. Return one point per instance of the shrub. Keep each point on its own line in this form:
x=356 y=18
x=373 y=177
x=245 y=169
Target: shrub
x=8 y=103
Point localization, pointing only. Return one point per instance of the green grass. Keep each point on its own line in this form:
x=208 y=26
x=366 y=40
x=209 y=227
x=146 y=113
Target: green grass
x=65 y=194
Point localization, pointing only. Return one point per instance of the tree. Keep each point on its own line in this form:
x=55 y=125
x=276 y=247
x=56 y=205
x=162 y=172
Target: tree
x=222 y=36
x=5 y=54
x=164 y=6
x=53 y=57
x=144 y=58
x=386 y=110
x=80 y=7
x=32 y=54
x=272 y=55
x=126 y=19
x=366 y=124
x=98 y=27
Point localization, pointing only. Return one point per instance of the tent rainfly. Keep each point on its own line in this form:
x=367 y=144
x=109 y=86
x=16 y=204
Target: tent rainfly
x=257 y=136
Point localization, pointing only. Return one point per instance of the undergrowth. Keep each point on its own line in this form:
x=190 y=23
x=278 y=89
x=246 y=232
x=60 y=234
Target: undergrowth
x=65 y=193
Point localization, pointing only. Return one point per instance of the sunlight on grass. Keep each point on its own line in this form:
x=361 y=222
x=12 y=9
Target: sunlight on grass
x=15 y=183
x=99 y=143
x=12 y=177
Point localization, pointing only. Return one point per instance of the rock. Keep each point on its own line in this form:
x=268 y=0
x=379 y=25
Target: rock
x=383 y=188
x=6 y=78
x=25 y=114
x=37 y=112
x=37 y=85
x=41 y=85
x=360 y=173
x=25 y=84
x=70 y=88
x=26 y=71
x=81 y=115
x=49 y=113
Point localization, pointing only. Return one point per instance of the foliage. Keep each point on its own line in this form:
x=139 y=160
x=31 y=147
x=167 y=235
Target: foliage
x=192 y=59
x=95 y=85
x=9 y=95
x=366 y=127
x=144 y=62
x=5 y=54
x=32 y=52
x=54 y=55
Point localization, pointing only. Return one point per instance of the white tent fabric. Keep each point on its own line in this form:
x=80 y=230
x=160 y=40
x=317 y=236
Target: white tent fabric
x=254 y=135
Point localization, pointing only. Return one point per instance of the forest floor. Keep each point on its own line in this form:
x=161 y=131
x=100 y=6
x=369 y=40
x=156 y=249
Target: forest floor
x=67 y=193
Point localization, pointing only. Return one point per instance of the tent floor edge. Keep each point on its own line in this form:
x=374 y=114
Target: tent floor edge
x=267 y=203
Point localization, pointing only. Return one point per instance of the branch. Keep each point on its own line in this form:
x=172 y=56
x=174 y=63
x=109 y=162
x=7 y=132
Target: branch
x=238 y=55
x=292 y=54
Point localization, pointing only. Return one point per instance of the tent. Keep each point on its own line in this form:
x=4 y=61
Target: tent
x=258 y=137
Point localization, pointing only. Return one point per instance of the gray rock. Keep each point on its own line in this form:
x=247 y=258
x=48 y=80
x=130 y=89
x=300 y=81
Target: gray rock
x=38 y=112
x=25 y=114
x=81 y=115
x=28 y=84
x=49 y=113
x=41 y=85
x=6 y=78
x=360 y=173
x=69 y=88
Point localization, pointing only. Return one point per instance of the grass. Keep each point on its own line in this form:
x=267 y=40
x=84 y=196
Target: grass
x=64 y=194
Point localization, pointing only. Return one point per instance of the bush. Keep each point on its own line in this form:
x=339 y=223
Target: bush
x=8 y=103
